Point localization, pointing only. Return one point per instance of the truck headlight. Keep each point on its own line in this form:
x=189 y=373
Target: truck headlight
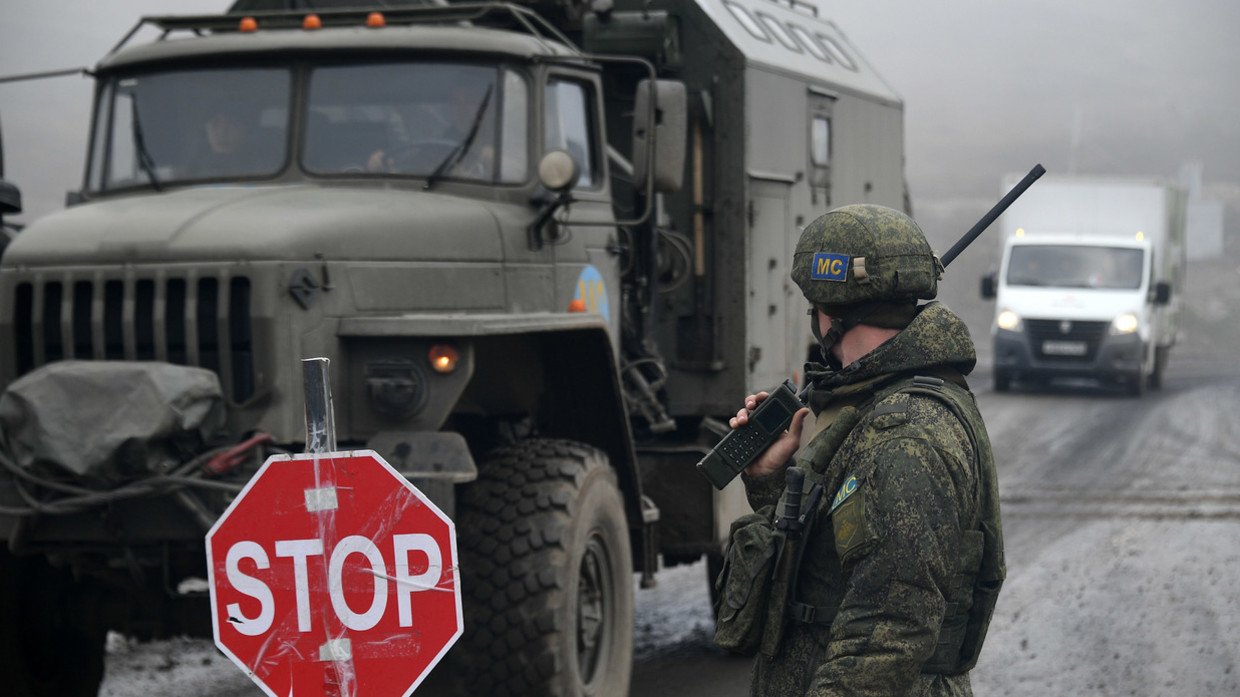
x=1008 y=320
x=1126 y=323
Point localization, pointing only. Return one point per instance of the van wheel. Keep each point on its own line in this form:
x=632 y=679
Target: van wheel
x=1003 y=381
x=51 y=638
x=547 y=575
x=1160 y=364
x=1136 y=384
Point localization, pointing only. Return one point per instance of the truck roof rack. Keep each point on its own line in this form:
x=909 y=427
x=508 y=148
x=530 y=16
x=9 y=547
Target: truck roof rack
x=502 y=15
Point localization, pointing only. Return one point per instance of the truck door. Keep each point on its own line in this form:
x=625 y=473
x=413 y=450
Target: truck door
x=772 y=308
x=820 y=142
x=586 y=269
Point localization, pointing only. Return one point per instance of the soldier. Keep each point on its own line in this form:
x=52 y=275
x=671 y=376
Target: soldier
x=897 y=580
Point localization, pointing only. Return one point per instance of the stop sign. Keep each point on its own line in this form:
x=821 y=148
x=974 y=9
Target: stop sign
x=333 y=575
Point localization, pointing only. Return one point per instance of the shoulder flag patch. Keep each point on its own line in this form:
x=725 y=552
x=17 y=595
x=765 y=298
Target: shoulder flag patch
x=846 y=490
x=828 y=266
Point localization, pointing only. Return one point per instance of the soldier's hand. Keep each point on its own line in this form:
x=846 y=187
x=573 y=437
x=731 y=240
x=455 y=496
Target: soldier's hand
x=776 y=456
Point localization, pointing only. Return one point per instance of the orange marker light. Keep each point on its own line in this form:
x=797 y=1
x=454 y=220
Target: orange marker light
x=374 y=20
x=443 y=358
x=247 y=25
x=577 y=305
x=312 y=22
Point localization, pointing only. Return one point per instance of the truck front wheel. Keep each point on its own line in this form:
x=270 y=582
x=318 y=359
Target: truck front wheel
x=547 y=575
x=51 y=637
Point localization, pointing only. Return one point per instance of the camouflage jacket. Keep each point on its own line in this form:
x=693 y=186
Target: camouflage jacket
x=881 y=567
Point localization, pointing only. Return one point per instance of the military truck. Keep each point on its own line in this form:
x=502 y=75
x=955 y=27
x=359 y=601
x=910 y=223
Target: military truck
x=545 y=248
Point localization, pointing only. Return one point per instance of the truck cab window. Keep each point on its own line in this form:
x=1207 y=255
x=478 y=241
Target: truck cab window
x=412 y=119
x=567 y=125
x=514 y=139
x=189 y=125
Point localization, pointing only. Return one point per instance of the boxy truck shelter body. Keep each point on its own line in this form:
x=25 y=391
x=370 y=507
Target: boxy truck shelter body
x=1090 y=281
x=513 y=350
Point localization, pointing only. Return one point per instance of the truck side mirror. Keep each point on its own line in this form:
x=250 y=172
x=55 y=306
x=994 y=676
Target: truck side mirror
x=669 y=132
x=988 y=286
x=1162 y=293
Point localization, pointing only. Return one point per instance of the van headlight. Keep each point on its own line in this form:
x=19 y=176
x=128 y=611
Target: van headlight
x=1126 y=323
x=1008 y=320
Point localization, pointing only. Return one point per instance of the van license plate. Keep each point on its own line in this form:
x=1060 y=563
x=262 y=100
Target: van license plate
x=1064 y=348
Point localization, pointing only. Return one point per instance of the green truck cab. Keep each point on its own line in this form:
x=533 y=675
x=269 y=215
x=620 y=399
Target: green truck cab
x=545 y=249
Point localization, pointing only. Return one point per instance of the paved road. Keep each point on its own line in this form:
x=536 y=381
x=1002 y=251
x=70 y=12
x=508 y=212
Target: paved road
x=1122 y=520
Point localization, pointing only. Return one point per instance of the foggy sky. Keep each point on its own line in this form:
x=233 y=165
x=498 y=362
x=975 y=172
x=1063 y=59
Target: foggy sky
x=1133 y=87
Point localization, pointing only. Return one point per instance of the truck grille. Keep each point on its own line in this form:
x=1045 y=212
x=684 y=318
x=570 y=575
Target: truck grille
x=203 y=322
x=1088 y=333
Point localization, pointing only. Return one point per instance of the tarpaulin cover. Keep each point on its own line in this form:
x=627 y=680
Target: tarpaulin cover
x=102 y=419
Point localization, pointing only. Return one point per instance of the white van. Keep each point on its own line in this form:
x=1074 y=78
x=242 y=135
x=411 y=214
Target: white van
x=1088 y=285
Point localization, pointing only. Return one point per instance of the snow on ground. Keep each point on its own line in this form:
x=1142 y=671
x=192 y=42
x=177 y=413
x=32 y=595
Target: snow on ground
x=1127 y=607
x=676 y=613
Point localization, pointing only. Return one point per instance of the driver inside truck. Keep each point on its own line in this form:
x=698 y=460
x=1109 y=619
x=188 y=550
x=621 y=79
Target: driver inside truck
x=226 y=134
x=451 y=120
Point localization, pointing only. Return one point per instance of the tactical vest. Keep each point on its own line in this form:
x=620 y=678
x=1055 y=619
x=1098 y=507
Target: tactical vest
x=972 y=595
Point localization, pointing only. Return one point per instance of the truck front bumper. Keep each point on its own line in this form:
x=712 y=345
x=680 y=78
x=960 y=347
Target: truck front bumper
x=1110 y=358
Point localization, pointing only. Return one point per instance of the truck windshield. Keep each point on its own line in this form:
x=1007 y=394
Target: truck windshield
x=385 y=119
x=188 y=125
x=417 y=119
x=1071 y=266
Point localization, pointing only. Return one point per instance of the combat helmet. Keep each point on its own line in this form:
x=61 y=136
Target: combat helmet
x=864 y=263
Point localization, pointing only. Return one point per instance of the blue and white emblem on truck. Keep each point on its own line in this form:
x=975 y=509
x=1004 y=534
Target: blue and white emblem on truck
x=592 y=292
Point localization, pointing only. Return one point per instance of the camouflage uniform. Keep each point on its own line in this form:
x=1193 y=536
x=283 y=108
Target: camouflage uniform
x=886 y=561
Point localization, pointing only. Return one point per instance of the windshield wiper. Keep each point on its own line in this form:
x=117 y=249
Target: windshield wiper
x=459 y=151
x=145 y=161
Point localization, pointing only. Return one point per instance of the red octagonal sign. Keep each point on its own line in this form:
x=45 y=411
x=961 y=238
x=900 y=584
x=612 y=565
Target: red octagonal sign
x=333 y=575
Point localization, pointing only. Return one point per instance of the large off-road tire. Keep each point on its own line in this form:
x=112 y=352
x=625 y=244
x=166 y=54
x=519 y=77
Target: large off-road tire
x=51 y=637
x=546 y=575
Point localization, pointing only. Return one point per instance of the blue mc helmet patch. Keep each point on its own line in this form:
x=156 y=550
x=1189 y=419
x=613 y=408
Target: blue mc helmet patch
x=828 y=266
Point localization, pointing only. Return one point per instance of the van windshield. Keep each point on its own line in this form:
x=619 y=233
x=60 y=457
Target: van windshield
x=1071 y=266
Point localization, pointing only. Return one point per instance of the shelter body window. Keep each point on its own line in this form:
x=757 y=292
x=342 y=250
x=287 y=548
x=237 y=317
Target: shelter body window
x=568 y=125
x=747 y=21
x=820 y=141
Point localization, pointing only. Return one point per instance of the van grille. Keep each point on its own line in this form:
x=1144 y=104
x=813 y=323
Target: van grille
x=1090 y=333
x=203 y=322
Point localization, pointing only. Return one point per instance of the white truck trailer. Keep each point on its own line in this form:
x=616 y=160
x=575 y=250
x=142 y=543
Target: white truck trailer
x=1089 y=282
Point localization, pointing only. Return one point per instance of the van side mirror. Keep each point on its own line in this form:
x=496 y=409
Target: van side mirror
x=1162 y=293
x=10 y=198
x=988 y=286
x=669 y=131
